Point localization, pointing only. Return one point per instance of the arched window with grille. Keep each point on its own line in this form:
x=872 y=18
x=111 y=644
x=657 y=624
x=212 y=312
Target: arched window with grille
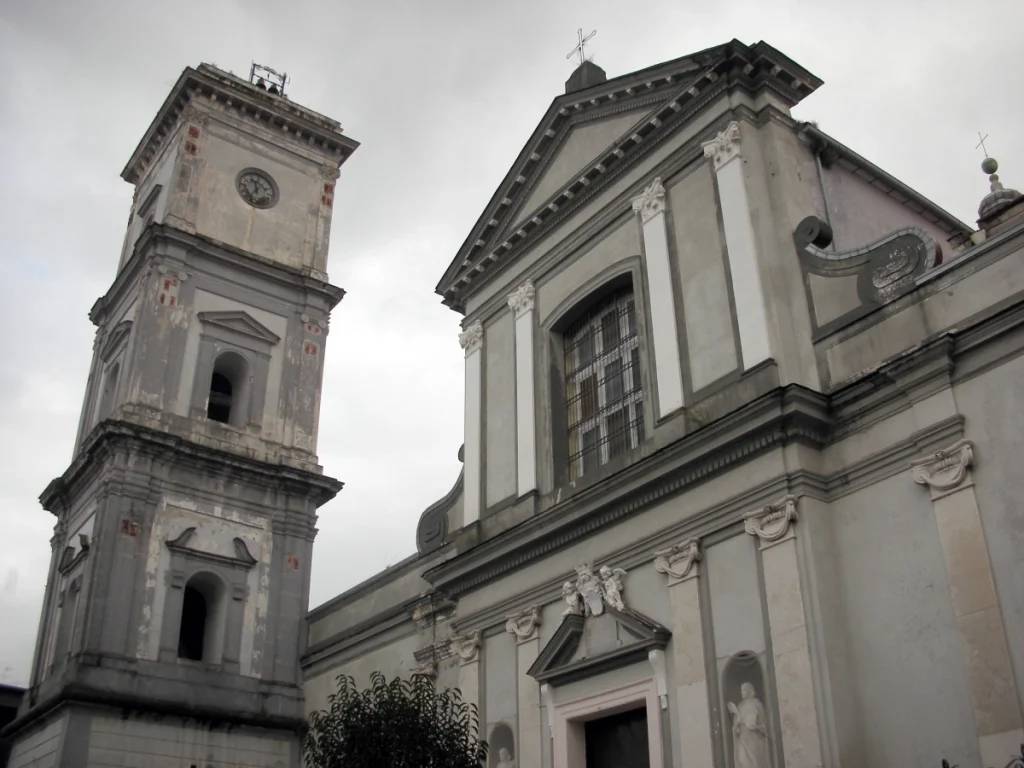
x=603 y=390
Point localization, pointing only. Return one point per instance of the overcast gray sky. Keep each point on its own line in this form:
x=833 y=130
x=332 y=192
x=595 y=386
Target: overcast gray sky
x=442 y=95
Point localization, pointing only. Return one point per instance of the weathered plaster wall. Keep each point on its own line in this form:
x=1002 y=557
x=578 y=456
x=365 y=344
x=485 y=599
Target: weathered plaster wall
x=499 y=682
x=703 y=284
x=142 y=744
x=41 y=749
x=986 y=400
x=208 y=301
x=581 y=146
x=216 y=527
x=862 y=213
x=964 y=293
x=902 y=639
x=393 y=660
x=279 y=233
x=616 y=245
x=500 y=409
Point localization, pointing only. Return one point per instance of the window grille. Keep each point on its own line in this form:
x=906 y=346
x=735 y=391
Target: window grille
x=603 y=392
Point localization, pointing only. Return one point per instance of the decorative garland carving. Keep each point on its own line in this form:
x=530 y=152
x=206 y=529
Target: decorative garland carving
x=524 y=624
x=944 y=470
x=466 y=647
x=679 y=561
x=772 y=523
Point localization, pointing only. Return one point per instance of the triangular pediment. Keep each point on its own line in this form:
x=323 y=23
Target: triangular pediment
x=582 y=647
x=583 y=145
x=587 y=137
x=239 y=322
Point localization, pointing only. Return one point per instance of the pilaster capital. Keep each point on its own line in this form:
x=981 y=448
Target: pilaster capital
x=472 y=339
x=467 y=647
x=521 y=301
x=428 y=669
x=946 y=470
x=651 y=202
x=524 y=625
x=679 y=562
x=772 y=523
x=725 y=146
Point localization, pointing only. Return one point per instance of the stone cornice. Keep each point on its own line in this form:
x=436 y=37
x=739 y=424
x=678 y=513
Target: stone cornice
x=786 y=415
x=157 y=238
x=685 y=83
x=111 y=437
x=274 y=112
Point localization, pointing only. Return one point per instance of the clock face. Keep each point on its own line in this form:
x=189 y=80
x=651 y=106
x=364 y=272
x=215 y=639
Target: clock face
x=257 y=189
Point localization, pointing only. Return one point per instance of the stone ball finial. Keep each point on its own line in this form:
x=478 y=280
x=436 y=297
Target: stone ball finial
x=989 y=165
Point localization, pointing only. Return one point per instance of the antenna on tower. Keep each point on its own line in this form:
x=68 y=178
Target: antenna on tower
x=270 y=80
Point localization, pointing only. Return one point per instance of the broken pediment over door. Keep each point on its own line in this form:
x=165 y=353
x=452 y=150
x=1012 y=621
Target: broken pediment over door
x=585 y=646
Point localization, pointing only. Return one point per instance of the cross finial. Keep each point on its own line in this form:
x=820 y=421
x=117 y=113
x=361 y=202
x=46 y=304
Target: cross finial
x=981 y=143
x=580 y=45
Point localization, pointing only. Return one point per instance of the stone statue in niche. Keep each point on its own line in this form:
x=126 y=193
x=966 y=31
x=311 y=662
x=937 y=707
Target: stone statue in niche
x=611 y=585
x=502 y=747
x=749 y=731
x=505 y=760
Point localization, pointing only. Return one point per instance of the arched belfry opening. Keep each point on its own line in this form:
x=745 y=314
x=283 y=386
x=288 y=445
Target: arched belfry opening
x=200 y=634
x=228 y=388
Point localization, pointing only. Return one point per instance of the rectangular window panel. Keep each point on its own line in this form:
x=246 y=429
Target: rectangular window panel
x=639 y=424
x=609 y=331
x=588 y=397
x=618 y=433
x=613 y=390
x=591 y=455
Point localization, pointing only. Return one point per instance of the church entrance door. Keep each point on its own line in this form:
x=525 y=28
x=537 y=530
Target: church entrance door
x=618 y=741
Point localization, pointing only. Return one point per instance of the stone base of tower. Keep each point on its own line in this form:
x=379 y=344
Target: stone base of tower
x=83 y=736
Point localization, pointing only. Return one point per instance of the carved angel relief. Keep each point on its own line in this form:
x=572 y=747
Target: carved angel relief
x=590 y=594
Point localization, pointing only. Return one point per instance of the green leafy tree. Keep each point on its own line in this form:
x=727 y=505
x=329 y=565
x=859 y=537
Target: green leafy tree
x=394 y=724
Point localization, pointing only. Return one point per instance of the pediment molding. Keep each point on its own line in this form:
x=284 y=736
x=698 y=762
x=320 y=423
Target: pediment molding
x=240 y=322
x=115 y=339
x=675 y=90
x=183 y=544
x=556 y=665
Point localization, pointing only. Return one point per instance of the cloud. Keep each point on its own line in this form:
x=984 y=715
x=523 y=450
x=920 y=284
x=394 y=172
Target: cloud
x=442 y=96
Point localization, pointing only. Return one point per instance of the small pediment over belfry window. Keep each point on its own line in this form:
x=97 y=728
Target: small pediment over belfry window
x=240 y=322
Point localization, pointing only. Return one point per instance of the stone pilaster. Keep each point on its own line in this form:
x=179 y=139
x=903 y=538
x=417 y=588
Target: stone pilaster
x=681 y=564
x=524 y=626
x=979 y=619
x=467 y=648
x=521 y=302
x=775 y=528
x=472 y=341
x=751 y=315
x=664 y=328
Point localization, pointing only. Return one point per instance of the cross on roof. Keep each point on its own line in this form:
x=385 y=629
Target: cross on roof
x=981 y=143
x=580 y=45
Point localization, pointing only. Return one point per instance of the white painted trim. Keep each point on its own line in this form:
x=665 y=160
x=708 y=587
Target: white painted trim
x=526 y=435
x=664 y=329
x=751 y=316
x=569 y=750
x=471 y=457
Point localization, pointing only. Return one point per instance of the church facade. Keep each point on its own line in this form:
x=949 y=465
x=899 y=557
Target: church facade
x=739 y=480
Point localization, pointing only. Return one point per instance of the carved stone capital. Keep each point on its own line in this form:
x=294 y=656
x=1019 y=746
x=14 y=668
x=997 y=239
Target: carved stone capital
x=946 y=470
x=472 y=339
x=725 y=146
x=330 y=172
x=522 y=300
x=651 y=202
x=524 y=624
x=678 y=562
x=773 y=523
x=467 y=647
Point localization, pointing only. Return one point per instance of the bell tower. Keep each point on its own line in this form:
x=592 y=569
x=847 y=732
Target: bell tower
x=173 y=618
